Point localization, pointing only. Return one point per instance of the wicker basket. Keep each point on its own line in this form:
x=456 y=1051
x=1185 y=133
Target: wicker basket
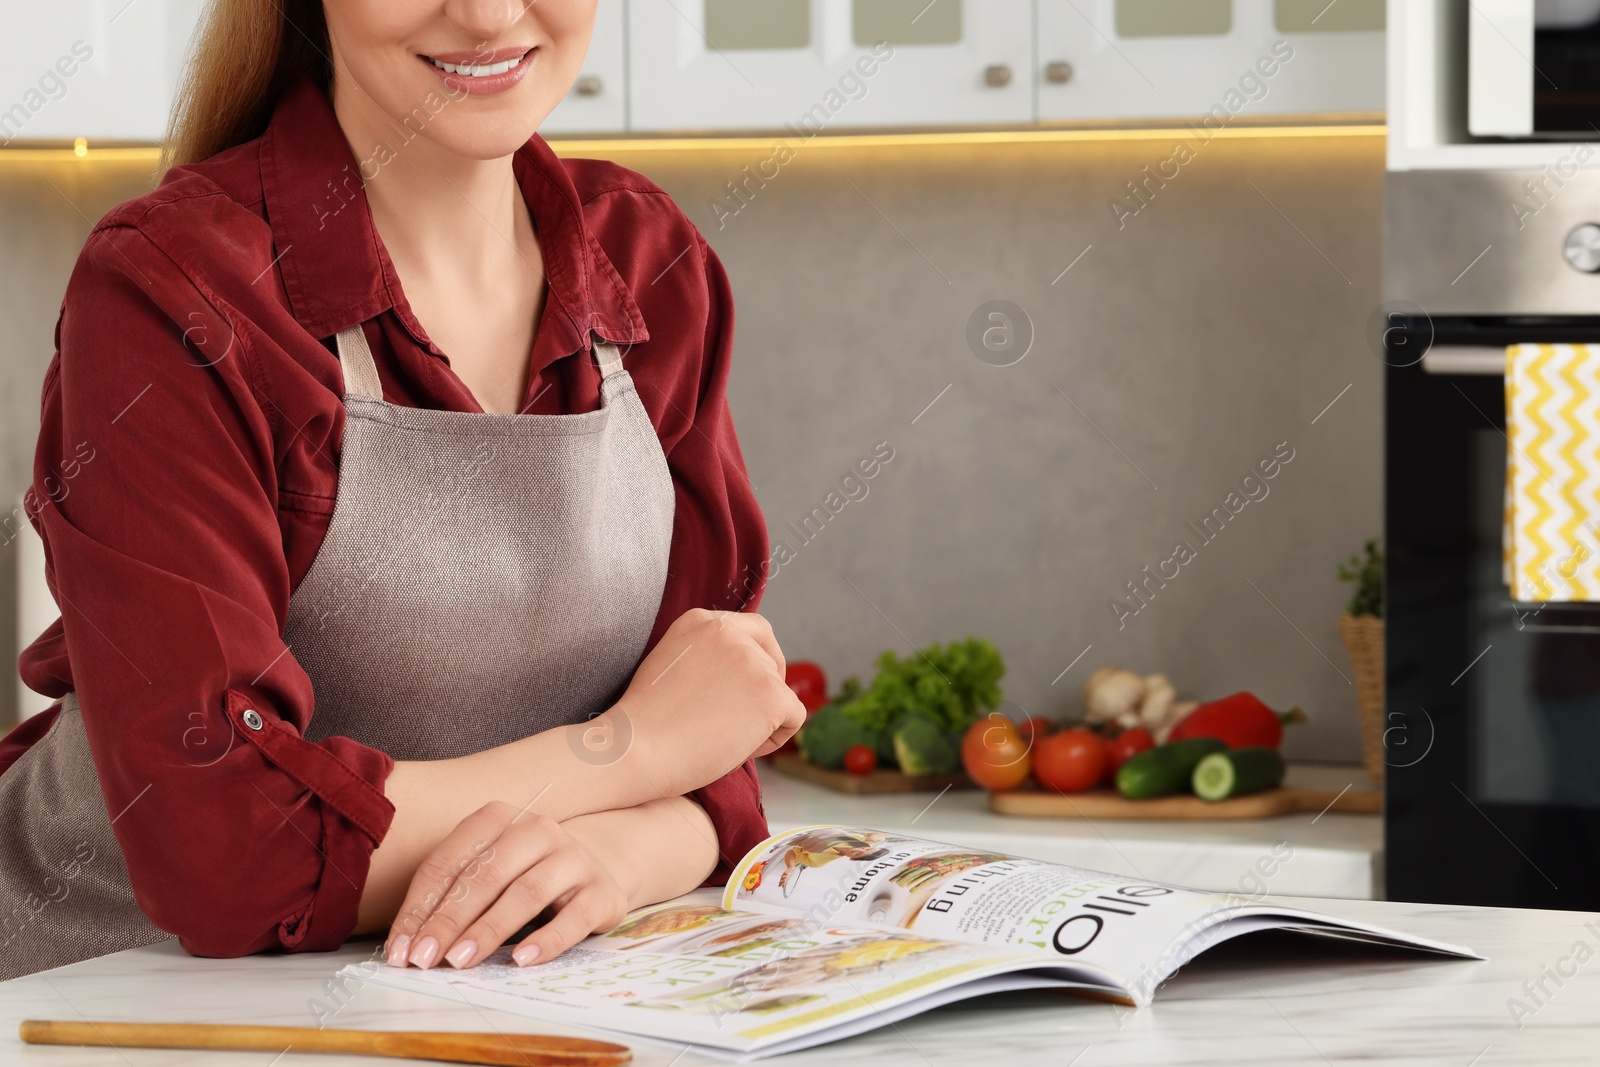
x=1363 y=641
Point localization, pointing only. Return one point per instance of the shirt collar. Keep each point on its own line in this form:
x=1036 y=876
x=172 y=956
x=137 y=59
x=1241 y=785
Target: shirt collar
x=331 y=260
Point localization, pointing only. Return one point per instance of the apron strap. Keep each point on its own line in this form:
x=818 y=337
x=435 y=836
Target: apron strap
x=355 y=360
x=608 y=357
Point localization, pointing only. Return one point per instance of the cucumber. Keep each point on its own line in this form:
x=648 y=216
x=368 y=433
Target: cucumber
x=1164 y=769
x=1236 y=772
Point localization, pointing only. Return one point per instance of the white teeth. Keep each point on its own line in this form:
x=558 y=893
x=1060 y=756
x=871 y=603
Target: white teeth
x=473 y=70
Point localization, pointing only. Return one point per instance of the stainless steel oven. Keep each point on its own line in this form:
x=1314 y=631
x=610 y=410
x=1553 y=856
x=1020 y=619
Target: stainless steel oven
x=1492 y=704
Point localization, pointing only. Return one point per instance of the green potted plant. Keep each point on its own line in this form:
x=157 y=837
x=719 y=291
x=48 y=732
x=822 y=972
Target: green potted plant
x=1361 y=631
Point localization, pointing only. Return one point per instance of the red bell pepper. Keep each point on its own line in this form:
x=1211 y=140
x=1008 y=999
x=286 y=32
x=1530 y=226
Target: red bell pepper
x=1239 y=721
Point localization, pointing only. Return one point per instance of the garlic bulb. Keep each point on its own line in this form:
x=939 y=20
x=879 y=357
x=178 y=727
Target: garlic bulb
x=1113 y=695
x=1155 y=710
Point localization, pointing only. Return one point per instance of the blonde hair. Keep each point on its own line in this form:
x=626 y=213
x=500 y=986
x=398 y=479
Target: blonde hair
x=245 y=55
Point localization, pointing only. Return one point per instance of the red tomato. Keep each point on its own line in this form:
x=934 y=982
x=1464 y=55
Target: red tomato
x=808 y=683
x=1125 y=746
x=860 y=759
x=994 y=753
x=1034 y=728
x=1070 y=761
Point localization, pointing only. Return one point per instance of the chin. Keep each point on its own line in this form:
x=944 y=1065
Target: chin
x=489 y=127
x=486 y=137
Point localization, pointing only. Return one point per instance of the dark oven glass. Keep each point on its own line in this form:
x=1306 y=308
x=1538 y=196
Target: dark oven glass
x=1566 y=79
x=1492 y=704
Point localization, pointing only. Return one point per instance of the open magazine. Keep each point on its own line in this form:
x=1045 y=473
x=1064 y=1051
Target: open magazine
x=828 y=931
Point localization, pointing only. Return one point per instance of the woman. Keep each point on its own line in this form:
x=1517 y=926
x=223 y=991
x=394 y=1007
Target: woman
x=362 y=530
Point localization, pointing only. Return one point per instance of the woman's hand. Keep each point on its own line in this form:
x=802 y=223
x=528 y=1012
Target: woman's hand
x=502 y=867
x=496 y=871
x=709 y=696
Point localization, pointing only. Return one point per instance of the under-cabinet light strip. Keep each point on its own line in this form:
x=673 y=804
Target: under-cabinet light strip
x=747 y=142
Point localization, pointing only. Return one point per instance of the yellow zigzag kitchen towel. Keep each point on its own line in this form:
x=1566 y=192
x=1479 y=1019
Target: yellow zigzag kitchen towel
x=1553 y=471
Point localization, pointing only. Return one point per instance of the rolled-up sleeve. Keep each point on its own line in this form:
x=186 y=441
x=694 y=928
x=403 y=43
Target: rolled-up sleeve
x=719 y=539
x=155 y=491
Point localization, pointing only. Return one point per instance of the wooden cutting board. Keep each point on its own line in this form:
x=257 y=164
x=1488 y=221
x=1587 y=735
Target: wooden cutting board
x=879 y=781
x=1108 y=804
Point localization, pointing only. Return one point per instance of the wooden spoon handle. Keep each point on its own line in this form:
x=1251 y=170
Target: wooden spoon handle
x=506 y=1050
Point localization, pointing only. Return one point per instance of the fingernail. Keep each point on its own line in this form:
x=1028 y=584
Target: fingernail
x=425 y=952
x=461 y=953
x=525 y=954
x=397 y=950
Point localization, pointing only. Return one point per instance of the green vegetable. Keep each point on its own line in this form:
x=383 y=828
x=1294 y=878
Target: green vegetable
x=920 y=747
x=827 y=734
x=1164 y=769
x=849 y=689
x=1367 y=577
x=1236 y=772
x=883 y=743
x=951 y=686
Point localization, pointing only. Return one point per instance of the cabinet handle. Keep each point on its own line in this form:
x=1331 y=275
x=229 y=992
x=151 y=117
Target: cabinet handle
x=997 y=75
x=588 y=85
x=1058 y=72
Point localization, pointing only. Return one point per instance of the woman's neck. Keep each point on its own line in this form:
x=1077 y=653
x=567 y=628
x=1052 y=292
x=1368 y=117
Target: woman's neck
x=463 y=245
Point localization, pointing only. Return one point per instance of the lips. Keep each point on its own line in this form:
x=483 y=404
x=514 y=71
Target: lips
x=482 y=72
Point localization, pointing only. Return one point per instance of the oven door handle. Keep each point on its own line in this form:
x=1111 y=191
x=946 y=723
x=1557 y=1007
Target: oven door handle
x=1465 y=359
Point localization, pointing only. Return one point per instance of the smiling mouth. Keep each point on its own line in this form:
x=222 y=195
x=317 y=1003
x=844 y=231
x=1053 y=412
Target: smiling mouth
x=480 y=69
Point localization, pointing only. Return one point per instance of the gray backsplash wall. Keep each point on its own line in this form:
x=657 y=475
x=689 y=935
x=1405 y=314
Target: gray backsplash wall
x=1178 y=352
x=1189 y=343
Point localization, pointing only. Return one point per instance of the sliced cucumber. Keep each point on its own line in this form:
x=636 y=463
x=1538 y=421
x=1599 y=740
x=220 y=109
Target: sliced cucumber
x=1237 y=772
x=1165 y=769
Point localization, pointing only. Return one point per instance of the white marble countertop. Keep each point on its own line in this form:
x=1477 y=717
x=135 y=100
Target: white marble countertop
x=1285 y=1002
x=1334 y=855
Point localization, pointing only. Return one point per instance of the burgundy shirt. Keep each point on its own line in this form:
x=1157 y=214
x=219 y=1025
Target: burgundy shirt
x=187 y=468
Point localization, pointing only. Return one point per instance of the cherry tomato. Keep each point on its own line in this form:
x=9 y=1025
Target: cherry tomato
x=1070 y=761
x=860 y=759
x=1034 y=728
x=808 y=683
x=995 y=754
x=1125 y=746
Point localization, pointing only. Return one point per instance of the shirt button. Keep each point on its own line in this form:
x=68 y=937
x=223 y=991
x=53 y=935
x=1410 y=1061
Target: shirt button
x=251 y=719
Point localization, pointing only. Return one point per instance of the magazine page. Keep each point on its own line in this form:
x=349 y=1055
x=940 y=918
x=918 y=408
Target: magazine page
x=693 y=973
x=1135 y=932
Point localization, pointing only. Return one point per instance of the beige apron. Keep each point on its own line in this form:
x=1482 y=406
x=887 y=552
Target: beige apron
x=484 y=577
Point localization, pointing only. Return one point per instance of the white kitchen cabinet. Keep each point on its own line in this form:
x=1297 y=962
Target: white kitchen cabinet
x=828 y=64
x=104 y=70
x=597 y=101
x=1148 y=59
